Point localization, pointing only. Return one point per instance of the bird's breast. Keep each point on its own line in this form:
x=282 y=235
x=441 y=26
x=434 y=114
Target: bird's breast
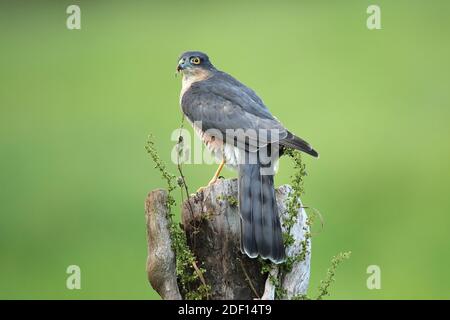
x=218 y=148
x=192 y=77
x=185 y=85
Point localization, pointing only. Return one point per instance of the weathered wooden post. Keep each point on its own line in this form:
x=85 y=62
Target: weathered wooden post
x=211 y=222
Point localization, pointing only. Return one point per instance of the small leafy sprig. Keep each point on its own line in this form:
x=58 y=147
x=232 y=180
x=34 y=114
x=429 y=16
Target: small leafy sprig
x=188 y=273
x=293 y=207
x=325 y=284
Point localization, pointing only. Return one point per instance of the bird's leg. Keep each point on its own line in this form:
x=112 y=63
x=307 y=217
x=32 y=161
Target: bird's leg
x=215 y=177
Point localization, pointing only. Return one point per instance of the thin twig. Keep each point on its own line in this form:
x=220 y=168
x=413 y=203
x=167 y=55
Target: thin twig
x=315 y=212
x=180 y=168
x=200 y=275
x=249 y=280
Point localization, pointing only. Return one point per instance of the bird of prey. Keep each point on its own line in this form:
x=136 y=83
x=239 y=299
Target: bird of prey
x=217 y=104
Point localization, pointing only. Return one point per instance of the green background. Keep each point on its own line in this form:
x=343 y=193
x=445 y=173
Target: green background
x=77 y=106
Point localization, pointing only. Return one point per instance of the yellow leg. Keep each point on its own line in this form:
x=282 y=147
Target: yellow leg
x=217 y=174
x=215 y=177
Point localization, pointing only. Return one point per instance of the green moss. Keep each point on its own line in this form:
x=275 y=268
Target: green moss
x=232 y=201
x=202 y=292
x=276 y=282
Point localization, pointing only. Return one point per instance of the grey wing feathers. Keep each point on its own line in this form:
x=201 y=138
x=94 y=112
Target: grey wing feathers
x=261 y=109
x=222 y=106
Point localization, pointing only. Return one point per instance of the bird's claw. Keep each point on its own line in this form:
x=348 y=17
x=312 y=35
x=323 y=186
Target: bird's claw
x=213 y=181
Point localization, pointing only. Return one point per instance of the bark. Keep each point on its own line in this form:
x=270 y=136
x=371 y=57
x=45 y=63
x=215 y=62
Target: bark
x=161 y=258
x=212 y=225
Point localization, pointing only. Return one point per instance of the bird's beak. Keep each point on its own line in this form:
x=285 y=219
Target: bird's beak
x=181 y=66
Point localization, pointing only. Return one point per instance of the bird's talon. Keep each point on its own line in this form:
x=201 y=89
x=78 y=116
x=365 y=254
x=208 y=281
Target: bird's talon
x=212 y=182
x=199 y=190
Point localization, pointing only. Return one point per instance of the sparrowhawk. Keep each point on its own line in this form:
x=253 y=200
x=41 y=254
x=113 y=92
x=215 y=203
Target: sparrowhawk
x=237 y=127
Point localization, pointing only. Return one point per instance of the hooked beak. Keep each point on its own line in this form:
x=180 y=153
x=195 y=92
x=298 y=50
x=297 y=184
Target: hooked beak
x=181 y=65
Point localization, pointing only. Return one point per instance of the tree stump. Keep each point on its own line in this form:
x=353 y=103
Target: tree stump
x=212 y=225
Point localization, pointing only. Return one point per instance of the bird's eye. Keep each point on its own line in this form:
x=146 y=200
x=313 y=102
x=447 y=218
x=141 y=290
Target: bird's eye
x=195 y=60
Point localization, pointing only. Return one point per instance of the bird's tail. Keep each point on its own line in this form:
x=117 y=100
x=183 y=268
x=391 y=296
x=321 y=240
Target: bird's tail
x=292 y=141
x=261 y=232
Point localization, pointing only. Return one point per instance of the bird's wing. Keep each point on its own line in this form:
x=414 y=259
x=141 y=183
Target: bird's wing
x=259 y=106
x=223 y=106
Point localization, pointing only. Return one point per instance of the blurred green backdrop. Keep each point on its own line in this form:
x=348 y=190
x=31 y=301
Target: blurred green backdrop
x=77 y=106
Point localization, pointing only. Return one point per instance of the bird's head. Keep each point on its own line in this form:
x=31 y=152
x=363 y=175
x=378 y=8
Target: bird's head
x=192 y=62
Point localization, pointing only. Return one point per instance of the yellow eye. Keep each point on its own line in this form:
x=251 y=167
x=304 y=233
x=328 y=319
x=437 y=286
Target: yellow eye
x=195 y=60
